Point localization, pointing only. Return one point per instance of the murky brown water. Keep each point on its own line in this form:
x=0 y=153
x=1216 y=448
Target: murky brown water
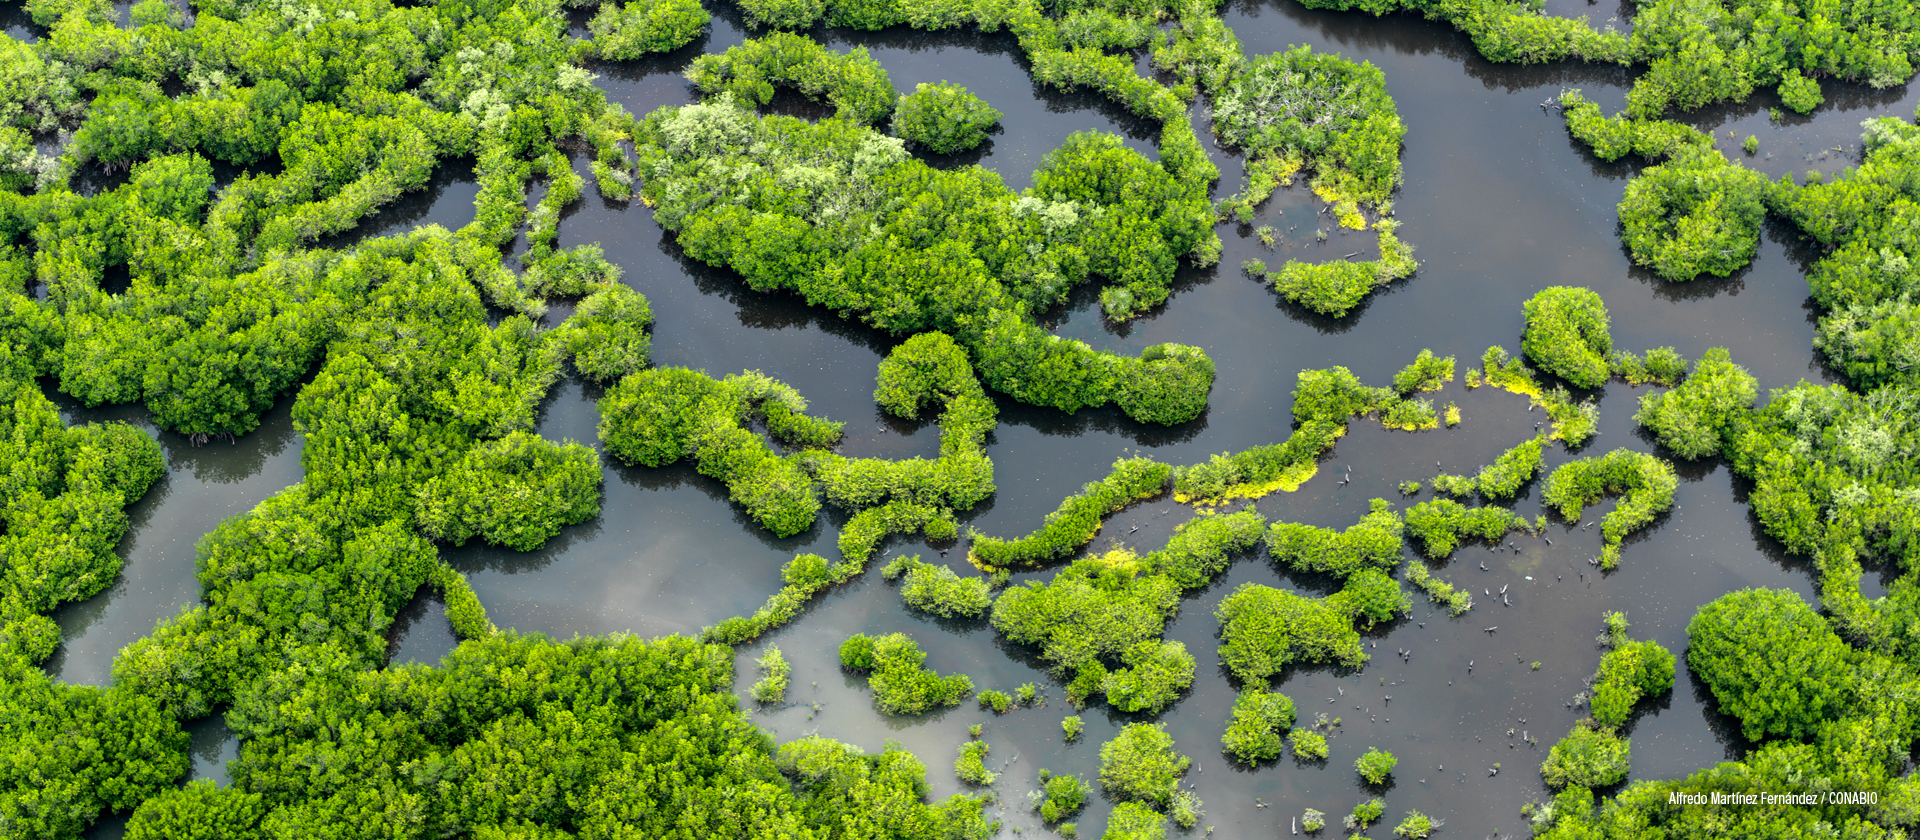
x=1499 y=202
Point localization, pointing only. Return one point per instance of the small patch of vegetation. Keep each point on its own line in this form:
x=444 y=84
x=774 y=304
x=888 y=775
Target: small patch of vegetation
x=1375 y=765
x=1374 y=542
x=1646 y=485
x=1308 y=744
x=971 y=766
x=900 y=682
x=945 y=118
x=1590 y=756
x=1141 y=765
x=938 y=590
x=1427 y=373
x=1696 y=419
x=774 y=670
x=1439 y=525
x=1567 y=335
x=1365 y=814
x=1259 y=719
x=1064 y=797
x=1457 y=600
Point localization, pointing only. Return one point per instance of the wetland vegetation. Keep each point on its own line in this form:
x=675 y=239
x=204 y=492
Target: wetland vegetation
x=180 y=196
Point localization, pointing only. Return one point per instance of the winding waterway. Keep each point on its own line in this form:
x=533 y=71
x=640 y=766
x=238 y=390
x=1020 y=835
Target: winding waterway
x=1499 y=202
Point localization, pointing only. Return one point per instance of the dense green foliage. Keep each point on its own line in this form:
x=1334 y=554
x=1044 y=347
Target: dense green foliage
x=1064 y=796
x=1373 y=542
x=517 y=492
x=1365 y=814
x=1320 y=109
x=1572 y=422
x=1416 y=826
x=1375 y=765
x=901 y=683
x=1427 y=373
x=1099 y=621
x=1628 y=672
x=1694 y=419
x=1695 y=214
x=1259 y=719
x=945 y=118
x=567 y=720
x=1567 y=334
x=631 y=30
x=1645 y=485
x=938 y=590
x=854 y=83
x=1662 y=366
x=1308 y=744
x=1135 y=821
x=656 y=417
x=1141 y=765
x=1335 y=288
x=1096 y=207
x=1262 y=630
x=971 y=766
x=607 y=334
x=1508 y=473
x=1440 y=524
x=1078 y=518
x=1588 y=757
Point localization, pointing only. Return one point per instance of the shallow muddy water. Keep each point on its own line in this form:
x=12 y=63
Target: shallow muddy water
x=1499 y=203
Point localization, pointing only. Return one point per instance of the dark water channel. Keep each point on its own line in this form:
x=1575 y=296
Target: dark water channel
x=1499 y=202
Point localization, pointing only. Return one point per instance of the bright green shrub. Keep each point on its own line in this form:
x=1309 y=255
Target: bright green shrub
x=1373 y=542
x=1629 y=671
x=1567 y=335
x=1588 y=757
x=900 y=683
x=1308 y=744
x=629 y=31
x=784 y=14
x=1375 y=765
x=1154 y=674
x=607 y=335
x=1696 y=214
x=1427 y=373
x=1141 y=765
x=1439 y=525
x=938 y=590
x=945 y=118
x=1262 y=630
x=1135 y=821
x=1370 y=597
x=1646 y=483
x=1259 y=719
x=971 y=766
x=1800 y=93
x=1503 y=478
x=1065 y=796
x=855 y=84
